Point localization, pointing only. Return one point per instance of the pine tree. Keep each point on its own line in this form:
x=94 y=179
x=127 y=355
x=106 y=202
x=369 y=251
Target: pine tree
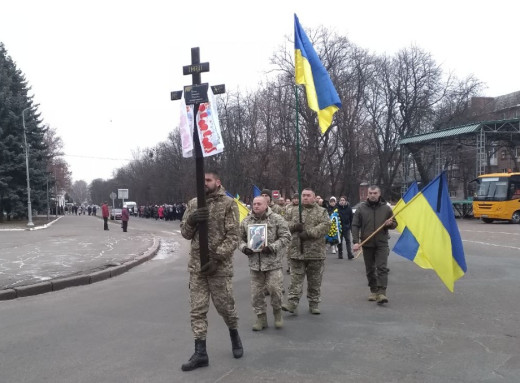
x=14 y=99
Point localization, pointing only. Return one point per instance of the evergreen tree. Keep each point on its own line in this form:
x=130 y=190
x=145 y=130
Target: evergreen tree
x=14 y=100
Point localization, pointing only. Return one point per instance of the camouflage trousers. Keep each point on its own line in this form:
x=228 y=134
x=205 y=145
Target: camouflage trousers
x=313 y=269
x=284 y=256
x=271 y=281
x=221 y=291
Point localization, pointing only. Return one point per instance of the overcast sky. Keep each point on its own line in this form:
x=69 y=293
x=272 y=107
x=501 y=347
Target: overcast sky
x=102 y=71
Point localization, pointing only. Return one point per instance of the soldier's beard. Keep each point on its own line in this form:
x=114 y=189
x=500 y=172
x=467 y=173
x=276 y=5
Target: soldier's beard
x=210 y=191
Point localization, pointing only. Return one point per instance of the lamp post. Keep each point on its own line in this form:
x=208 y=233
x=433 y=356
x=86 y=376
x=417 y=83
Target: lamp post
x=29 y=208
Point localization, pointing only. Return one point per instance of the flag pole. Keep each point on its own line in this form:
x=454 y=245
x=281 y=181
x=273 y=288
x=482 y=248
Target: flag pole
x=298 y=160
x=360 y=251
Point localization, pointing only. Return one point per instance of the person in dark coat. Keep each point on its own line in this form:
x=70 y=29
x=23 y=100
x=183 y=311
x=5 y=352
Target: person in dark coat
x=345 y=215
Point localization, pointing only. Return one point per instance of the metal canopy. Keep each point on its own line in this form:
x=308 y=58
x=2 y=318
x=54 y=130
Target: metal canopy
x=440 y=134
x=484 y=134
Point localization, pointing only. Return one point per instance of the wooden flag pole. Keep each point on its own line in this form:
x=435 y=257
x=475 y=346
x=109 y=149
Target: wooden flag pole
x=360 y=251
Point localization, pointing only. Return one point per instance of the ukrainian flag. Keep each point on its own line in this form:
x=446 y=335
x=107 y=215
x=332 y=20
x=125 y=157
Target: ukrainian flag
x=309 y=71
x=410 y=193
x=430 y=220
x=243 y=211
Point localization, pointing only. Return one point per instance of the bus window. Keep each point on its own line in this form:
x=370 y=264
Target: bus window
x=492 y=189
x=515 y=190
x=500 y=191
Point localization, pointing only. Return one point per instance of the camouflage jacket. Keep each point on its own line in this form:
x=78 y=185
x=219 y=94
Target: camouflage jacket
x=278 y=237
x=316 y=223
x=367 y=219
x=288 y=210
x=275 y=208
x=223 y=229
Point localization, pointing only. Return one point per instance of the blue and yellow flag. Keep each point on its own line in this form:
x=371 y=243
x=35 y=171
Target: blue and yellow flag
x=429 y=219
x=309 y=71
x=243 y=211
x=412 y=190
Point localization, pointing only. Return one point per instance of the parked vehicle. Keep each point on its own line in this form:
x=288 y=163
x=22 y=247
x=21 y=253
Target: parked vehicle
x=116 y=214
x=132 y=207
x=497 y=197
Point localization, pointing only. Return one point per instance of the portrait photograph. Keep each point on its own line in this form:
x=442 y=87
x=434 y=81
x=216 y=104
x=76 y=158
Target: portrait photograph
x=257 y=237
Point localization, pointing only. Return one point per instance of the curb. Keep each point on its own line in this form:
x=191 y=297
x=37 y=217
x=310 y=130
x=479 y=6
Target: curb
x=79 y=280
x=41 y=227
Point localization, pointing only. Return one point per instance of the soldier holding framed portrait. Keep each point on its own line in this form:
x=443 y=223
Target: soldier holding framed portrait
x=263 y=236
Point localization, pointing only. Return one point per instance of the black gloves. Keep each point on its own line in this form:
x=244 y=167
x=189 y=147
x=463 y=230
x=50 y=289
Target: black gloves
x=298 y=227
x=267 y=250
x=304 y=235
x=209 y=268
x=247 y=251
x=199 y=215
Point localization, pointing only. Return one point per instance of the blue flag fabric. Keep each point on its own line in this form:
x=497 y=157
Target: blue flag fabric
x=406 y=244
x=256 y=191
x=430 y=220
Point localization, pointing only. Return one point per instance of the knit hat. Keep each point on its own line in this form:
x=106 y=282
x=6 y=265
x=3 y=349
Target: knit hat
x=332 y=199
x=268 y=192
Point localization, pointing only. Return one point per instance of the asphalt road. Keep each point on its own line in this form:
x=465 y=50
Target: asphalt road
x=135 y=327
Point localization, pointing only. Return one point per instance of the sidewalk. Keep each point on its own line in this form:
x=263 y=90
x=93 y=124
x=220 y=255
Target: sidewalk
x=75 y=250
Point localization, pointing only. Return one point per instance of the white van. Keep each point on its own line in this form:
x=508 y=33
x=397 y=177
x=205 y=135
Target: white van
x=131 y=206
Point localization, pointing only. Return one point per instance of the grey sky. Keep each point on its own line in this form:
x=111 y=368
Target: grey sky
x=102 y=70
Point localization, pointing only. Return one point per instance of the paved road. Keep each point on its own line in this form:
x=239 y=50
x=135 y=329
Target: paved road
x=135 y=328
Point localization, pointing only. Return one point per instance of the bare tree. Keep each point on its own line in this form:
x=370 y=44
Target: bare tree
x=79 y=192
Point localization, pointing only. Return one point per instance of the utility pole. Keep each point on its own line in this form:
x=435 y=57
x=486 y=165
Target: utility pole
x=29 y=207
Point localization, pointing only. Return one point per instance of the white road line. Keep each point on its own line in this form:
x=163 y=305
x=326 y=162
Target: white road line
x=491 y=244
x=489 y=232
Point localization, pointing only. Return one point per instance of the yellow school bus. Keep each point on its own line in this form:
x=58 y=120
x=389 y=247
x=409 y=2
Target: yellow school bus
x=497 y=197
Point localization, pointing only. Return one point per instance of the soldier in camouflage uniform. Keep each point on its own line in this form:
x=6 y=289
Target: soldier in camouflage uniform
x=266 y=265
x=214 y=278
x=268 y=194
x=274 y=207
x=307 y=252
x=294 y=205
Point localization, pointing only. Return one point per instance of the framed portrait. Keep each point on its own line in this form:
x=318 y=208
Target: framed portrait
x=257 y=236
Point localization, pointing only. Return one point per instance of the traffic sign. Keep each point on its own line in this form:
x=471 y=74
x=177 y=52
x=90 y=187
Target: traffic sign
x=122 y=193
x=276 y=194
x=113 y=195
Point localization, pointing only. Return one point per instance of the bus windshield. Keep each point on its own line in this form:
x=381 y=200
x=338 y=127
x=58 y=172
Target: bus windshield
x=492 y=189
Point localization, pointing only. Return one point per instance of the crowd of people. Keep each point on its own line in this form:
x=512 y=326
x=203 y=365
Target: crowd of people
x=167 y=212
x=75 y=209
x=277 y=229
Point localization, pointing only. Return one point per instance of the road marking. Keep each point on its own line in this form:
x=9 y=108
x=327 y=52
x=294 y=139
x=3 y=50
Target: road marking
x=490 y=232
x=491 y=244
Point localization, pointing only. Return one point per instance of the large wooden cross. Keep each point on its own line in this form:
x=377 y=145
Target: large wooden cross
x=196 y=94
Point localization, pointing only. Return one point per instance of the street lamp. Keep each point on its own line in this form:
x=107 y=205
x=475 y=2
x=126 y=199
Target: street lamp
x=29 y=208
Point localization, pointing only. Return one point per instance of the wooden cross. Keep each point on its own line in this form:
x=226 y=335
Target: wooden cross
x=196 y=94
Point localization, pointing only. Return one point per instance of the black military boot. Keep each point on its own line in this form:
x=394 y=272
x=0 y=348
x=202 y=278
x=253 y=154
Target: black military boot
x=199 y=357
x=236 y=343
